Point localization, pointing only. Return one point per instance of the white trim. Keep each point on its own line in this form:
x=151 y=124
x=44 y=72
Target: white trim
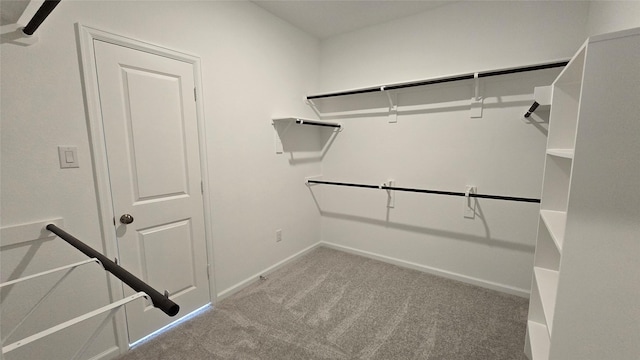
x=402 y=263
x=253 y=278
x=430 y=270
x=86 y=36
x=204 y=173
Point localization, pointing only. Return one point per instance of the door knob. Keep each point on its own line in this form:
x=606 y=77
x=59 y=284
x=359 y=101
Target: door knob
x=126 y=219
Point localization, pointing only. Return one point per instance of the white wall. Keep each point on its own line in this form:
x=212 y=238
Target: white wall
x=254 y=66
x=609 y=16
x=461 y=37
x=436 y=145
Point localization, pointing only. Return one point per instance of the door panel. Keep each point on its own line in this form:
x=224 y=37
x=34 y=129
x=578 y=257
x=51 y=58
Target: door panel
x=153 y=242
x=158 y=150
x=151 y=135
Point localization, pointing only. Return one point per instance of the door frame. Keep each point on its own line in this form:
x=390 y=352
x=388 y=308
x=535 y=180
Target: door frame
x=85 y=37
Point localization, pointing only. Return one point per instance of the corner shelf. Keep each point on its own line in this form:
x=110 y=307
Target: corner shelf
x=282 y=126
x=301 y=121
x=539 y=335
x=564 y=153
x=547 y=281
x=555 y=221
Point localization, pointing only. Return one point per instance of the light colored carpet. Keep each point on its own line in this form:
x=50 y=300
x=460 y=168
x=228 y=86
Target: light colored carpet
x=334 y=305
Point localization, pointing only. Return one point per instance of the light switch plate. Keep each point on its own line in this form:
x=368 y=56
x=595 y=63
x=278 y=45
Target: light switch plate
x=68 y=156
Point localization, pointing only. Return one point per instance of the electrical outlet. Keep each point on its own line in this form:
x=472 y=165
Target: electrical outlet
x=278 y=235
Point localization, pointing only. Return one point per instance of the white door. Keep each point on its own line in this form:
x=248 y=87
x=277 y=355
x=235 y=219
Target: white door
x=151 y=135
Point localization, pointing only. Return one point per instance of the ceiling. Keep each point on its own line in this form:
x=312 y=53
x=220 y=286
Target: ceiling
x=324 y=19
x=320 y=18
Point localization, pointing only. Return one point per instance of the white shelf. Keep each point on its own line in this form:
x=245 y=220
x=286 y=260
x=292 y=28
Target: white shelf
x=595 y=85
x=539 y=340
x=547 y=252
x=283 y=125
x=547 y=281
x=564 y=153
x=572 y=73
x=302 y=121
x=566 y=103
x=555 y=222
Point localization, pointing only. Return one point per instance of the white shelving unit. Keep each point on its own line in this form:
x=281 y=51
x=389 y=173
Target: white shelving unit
x=585 y=296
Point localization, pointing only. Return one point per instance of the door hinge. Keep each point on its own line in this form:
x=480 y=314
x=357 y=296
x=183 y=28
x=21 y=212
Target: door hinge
x=195 y=95
x=202 y=187
x=208 y=271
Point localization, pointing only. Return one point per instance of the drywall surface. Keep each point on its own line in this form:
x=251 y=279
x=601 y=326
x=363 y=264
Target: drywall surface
x=436 y=144
x=462 y=37
x=253 y=66
x=609 y=16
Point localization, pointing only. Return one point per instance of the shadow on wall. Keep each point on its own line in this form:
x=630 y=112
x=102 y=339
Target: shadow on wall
x=20 y=268
x=487 y=239
x=495 y=92
x=304 y=143
x=540 y=121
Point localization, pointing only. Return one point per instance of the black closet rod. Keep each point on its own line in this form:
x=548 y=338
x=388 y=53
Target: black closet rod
x=160 y=301
x=316 y=123
x=45 y=9
x=441 y=80
x=533 y=108
x=424 y=191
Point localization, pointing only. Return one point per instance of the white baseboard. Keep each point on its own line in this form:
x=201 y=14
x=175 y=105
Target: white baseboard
x=406 y=264
x=443 y=273
x=251 y=279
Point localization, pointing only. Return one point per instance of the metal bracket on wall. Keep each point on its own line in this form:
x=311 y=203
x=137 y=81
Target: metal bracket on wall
x=393 y=105
x=476 y=101
x=280 y=134
x=391 y=194
x=469 y=202
x=313 y=107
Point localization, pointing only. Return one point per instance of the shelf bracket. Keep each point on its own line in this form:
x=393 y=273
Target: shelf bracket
x=280 y=134
x=313 y=177
x=469 y=202
x=476 y=101
x=313 y=106
x=111 y=309
x=393 y=105
x=391 y=194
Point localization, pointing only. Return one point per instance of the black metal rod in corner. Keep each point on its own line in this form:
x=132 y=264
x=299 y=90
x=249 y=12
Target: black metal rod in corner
x=159 y=300
x=45 y=9
x=533 y=108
